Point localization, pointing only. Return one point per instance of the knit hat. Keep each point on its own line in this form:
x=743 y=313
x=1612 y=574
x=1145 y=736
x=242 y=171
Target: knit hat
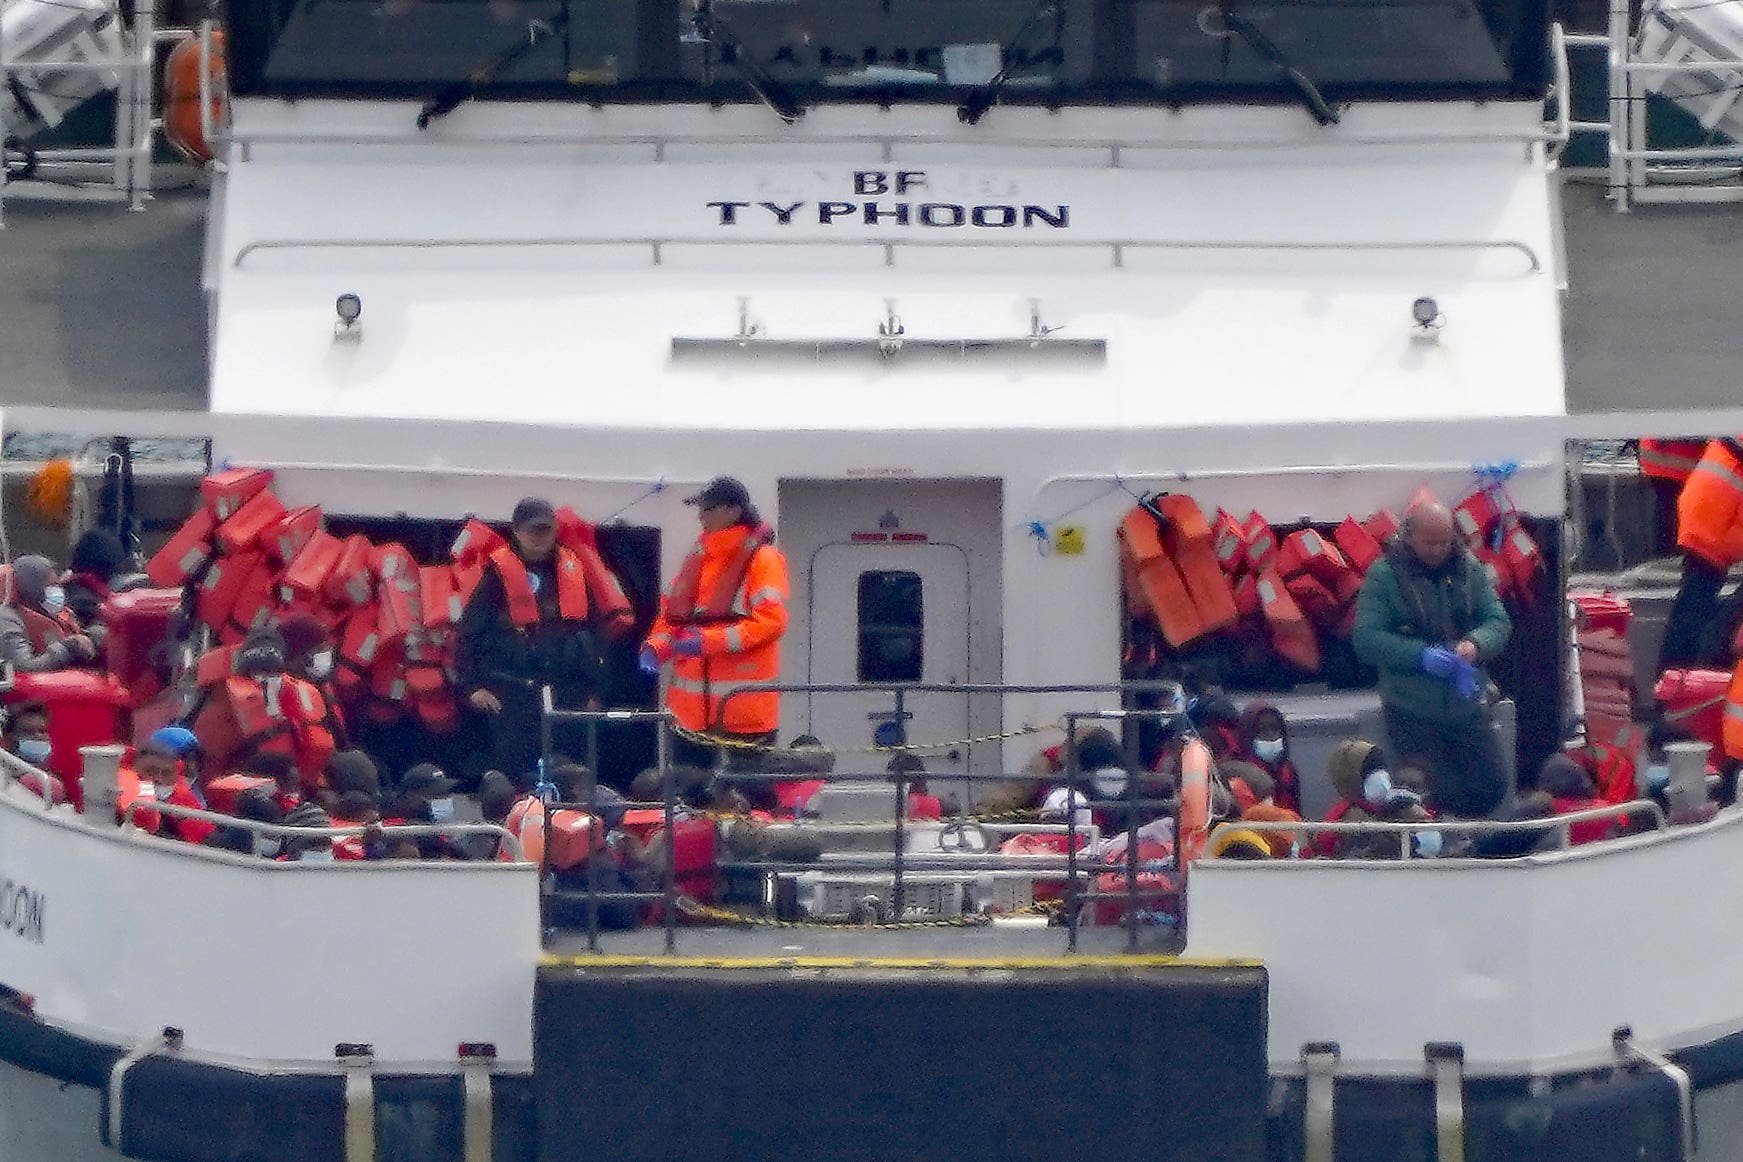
x=1239 y=843
x=353 y=770
x=262 y=652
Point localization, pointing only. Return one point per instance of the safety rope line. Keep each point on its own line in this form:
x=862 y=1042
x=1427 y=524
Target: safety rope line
x=735 y=744
x=697 y=910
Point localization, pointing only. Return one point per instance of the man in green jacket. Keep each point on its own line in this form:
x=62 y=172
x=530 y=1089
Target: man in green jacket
x=1429 y=617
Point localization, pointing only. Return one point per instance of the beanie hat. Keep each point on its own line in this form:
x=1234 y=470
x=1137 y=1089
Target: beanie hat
x=303 y=633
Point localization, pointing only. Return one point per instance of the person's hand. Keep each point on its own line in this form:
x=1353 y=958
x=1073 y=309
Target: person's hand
x=648 y=662
x=1466 y=650
x=486 y=701
x=688 y=645
x=1438 y=661
x=1467 y=681
x=81 y=646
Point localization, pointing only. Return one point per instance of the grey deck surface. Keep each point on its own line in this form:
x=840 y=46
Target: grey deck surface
x=101 y=308
x=1654 y=314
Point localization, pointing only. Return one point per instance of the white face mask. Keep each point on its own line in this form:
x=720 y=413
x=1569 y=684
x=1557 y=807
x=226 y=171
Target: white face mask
x=321 y=664
x=441 y=810
x=316 y=855
x=54 y=599
x=265 y=848
x=1268 y=749
x=1377 y=787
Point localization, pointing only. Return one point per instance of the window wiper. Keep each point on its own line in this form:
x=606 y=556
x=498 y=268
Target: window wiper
x=711 y=30
x=983 y=98
x=1238 y=25
x=451 y=96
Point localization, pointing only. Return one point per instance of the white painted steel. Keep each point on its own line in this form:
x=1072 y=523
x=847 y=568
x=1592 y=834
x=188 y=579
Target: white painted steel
x=412 y=958
x=1529 y=963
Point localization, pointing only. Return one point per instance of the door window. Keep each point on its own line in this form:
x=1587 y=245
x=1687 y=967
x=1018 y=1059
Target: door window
x=891 y=626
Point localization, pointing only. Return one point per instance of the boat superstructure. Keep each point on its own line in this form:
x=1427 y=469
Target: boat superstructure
x=947 y=288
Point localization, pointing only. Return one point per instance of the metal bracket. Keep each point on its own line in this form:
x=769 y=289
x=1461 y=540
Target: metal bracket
x=169 y=1040
x=747 y=330
x=1630 y=1052
x=1319 y=1120
x=1446 y=1065
x=890 y=332
x=359 y=1065
x=1037 y=329
x=477 y=1060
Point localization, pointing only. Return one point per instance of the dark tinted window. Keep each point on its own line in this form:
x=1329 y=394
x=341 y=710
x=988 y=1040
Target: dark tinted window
x=1075 y=52
x=892 y=619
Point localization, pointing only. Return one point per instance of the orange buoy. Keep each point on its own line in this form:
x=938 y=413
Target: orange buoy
x=181 y=96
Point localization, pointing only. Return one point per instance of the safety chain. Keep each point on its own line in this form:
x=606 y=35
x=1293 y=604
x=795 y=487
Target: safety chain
x=734 y=744
x=697 y=910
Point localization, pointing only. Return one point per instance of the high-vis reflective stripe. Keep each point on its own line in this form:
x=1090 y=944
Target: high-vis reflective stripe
x=734 y=639
x=764 y=595
x=1712 y=467
x=689 y=685
x=1656 y=457
x=1732 y=710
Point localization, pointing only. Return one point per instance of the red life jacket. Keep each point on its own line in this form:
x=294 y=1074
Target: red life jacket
x=686 y=606
x=517 y=587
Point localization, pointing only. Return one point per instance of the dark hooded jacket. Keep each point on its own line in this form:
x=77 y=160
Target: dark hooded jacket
x=1288 y=778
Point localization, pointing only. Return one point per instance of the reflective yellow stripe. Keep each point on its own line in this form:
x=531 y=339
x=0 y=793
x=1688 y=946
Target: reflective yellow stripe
x=1713 y=468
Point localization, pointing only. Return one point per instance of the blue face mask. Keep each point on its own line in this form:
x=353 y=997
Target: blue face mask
x=54 y=599
x=1268 y=750
x=441 y=810
x=1428 y=844
x=1656 y=777
x=35 y=750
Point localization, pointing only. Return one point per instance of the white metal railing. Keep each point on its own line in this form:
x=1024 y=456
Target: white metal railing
x=1561 y=824
x=1638 y=171
x=281 y=831
x=129 y=158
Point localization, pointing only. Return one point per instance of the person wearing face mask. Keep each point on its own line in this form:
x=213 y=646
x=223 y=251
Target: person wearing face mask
x=1366 y=792
x=262 y=709
x=309 y=655
x=37 y=632
x=27 y=737
x=1264 y=742
x=159 y=772
x=1428 y=618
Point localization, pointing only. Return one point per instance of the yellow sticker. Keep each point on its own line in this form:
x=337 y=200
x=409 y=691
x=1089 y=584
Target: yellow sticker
x=1068 y=540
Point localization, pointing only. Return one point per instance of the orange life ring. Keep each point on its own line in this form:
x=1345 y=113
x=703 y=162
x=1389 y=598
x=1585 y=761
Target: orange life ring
x=1194 y=801
x=181 y=96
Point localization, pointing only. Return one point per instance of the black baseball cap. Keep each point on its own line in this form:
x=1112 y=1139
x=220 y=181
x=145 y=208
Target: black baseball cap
x=719 y=491
x=427 y=779
x=533 y=510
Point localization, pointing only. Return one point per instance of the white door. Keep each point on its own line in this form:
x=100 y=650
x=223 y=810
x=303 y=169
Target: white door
x=892 y=615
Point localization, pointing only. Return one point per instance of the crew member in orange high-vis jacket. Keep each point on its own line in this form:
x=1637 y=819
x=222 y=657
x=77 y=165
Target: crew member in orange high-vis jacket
x=1709 y=519
x=720 y=626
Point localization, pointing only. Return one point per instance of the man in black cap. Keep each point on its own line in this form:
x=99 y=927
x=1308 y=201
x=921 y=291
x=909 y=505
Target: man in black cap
x=527 y=626
x=720 y=627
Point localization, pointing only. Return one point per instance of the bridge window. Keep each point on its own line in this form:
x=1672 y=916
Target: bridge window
x=892 y=620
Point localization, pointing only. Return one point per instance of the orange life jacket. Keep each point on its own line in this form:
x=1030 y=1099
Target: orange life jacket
x=732 y=590
x=228 y=490
x=185 y=553
x=280 y=713
x=1359 y=547
x=570 y=843
x=1292 y=635
x=1733 y=727
x=1670 y=460
x=1709 y=510
x=243 y=530
x=351 y=583
x=1194 y=800
x=517 y=587
x=1187 y=537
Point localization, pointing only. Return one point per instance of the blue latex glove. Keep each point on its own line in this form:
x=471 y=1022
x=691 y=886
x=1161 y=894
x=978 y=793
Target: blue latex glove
x=1438 y=661
x=1467 y=682
x=648 y=663
x=688 y=645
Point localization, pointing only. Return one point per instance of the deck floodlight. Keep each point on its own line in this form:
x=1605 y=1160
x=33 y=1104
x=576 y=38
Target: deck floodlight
x=349 y=308
x=1429 y=319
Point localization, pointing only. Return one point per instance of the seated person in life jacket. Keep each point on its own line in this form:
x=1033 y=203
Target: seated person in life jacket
x=26 y=736
x=99 y=568
x=263 y=709
x=37 y=633
x=1265 y=743
x=309 y=655
x=1262 y=789
x=425 y=796
x=1366 y=792
x=1571 y=789
x=166 y=767
x=528 y=624
x=257 y=806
